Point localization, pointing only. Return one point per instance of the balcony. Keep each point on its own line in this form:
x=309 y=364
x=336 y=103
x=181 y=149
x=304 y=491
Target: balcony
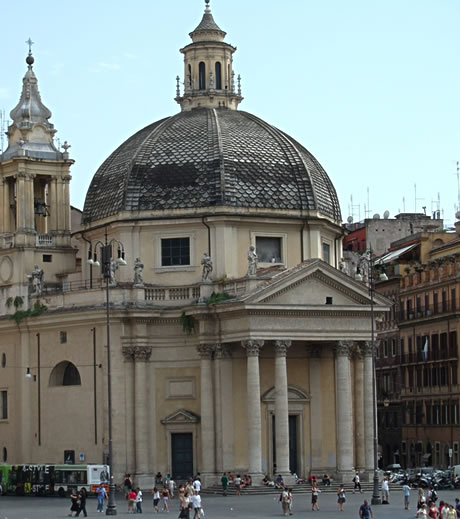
x=430 y=311
x=440 y=354
x=45 y=240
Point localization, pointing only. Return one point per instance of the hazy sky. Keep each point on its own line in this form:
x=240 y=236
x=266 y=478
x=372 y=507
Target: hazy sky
x=371 y=88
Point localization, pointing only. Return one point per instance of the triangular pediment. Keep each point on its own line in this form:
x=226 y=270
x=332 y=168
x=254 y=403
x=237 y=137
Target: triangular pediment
x=295 y=394
x=181 y=416
x=314 y=282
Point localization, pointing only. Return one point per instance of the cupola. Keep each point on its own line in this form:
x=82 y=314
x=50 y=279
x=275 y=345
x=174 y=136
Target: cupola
x=209 y=80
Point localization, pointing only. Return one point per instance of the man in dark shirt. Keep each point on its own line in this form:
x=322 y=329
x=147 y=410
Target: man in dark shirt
x=365 y=511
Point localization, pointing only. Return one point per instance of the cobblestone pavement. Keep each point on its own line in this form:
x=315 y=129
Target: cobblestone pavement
x=247 y=507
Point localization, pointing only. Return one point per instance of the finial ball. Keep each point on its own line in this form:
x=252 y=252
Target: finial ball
x=30 y=60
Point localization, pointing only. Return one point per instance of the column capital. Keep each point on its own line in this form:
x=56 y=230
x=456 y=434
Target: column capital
x=252 y=347
x=128 y=352
x=223 y=351
x=142 y=353
x=367 y=348
x=205 y=351
x=343 y=348
x=281 y=347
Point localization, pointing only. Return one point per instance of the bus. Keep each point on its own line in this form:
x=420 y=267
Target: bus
x=49 y=480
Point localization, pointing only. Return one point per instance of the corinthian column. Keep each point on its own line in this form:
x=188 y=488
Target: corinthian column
x=344 y=417
x=281 y=408
x=130 y=440
x=141 y=412
x=254 y=421
x=368 y=403
x=359 y=410
x=208 y=435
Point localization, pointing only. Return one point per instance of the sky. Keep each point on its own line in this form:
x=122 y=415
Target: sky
x=371 y=88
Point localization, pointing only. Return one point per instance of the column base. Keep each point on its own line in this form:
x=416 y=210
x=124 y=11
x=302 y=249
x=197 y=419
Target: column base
x=209 y=479
x=144 y=481
x=257 y=478
x=346 y=476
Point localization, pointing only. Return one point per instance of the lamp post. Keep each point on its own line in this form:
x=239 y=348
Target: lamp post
x=367 y=262
x=108 y=272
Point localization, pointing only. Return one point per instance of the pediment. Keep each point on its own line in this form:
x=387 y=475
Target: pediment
x=313 y=283
x=181 y=416
x=295 y=394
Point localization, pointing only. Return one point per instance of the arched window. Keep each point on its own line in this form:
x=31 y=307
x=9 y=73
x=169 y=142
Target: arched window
x=65 y=374
x=189 y=78
x=218 y=76
x=202 y=75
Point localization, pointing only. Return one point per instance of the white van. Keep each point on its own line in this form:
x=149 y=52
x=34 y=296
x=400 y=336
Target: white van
x=455 y=471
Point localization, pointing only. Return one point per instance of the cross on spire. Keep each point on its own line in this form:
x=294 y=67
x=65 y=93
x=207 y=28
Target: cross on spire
x=30 y=43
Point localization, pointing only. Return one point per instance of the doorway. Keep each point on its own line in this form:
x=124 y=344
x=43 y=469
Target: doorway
x=293 y=466
x=182 y=456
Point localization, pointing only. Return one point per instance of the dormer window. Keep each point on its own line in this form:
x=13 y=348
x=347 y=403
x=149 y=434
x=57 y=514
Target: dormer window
x=218 y=76
x=202 y=75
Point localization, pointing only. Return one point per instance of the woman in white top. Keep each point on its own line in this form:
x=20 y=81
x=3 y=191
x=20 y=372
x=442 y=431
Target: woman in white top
x=196 y=503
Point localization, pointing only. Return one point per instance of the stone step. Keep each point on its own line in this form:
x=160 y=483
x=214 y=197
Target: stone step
x=366 y=487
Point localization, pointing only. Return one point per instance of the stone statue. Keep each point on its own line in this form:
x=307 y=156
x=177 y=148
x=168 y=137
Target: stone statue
x=344 y=267
x=37 y=280
x=138 y=270
x=112 y=269
x=364 y=264
x=252 y=261
x=206 y=261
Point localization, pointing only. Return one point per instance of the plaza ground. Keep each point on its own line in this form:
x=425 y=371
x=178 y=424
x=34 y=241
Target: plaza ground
x=247 y=507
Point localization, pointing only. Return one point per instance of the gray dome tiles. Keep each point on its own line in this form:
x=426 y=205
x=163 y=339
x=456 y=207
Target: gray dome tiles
x=210 y=158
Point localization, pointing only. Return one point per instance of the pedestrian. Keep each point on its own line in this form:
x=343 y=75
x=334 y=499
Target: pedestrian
x=451 y=513
x=185 y=512
x=432 y=511
x=457 y=506
x=357 y=482
x=406 y=493
x=181 y=494
x=314 y=497
x=82 y=499
x=421 y=499
x=171 y=487
x=101 y=494
x=196 y=503
x=131 y=501
x=238 y=485
x=432 y=494
x=165 y=499
x=284 y=498
x=422 y=512
x=197 y=484
x=127 y=484
x=74 y=503
x=156 y=499
x=341 y=497
x=138 y=500
x=224 y=482
x=385 y=491
x=365 y=511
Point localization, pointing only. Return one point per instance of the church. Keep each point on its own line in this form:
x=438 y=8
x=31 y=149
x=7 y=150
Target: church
x=202 y=276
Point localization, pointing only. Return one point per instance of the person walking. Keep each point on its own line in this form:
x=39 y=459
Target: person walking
x=101 y=494
x=82 y=499
x=127 y=484
x=385 y=491
x=131 y=501
x=421 y=499
x=238 y=485
x=365 y=511
x=196 y=504
x=314 y=497
x=406 y=493
x=74 y=503
x=138 y=500
x=357 y=482
x=224 y=482
x=341 y=497
x=165 y=499
x=156 y=498
x=284 y=498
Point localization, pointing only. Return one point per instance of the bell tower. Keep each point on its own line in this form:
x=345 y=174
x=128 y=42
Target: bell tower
x=209 y=80
x=34 y=191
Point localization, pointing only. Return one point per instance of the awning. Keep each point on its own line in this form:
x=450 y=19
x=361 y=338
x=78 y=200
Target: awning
x=390 y=256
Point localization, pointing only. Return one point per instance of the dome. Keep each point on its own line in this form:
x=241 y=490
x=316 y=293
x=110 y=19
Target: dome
x=209 y=158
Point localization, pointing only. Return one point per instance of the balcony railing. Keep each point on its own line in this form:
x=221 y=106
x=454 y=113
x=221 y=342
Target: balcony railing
x=439 y=354
x=45 y=240
x=425 y=312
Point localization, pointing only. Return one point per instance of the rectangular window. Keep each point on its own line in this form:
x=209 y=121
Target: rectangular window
x=444 y=413
x=326 y=252
x=418 y=413
x=63 y=337
x=454 y=412
x=435 y=302
x=385 y=348
x=428 y=412
x=444 y=301
x=47 y=258
x=454 y=373
x=453 y=301
x=436 y=413
x=418 y=306
x=175 y=251
x=401 y=343
x=4 y=405
x=394 y=347
x=268 y=249
x=427 y=304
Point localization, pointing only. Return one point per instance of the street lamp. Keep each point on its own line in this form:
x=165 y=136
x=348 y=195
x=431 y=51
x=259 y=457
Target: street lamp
x=367 y=263
x=108 y=272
